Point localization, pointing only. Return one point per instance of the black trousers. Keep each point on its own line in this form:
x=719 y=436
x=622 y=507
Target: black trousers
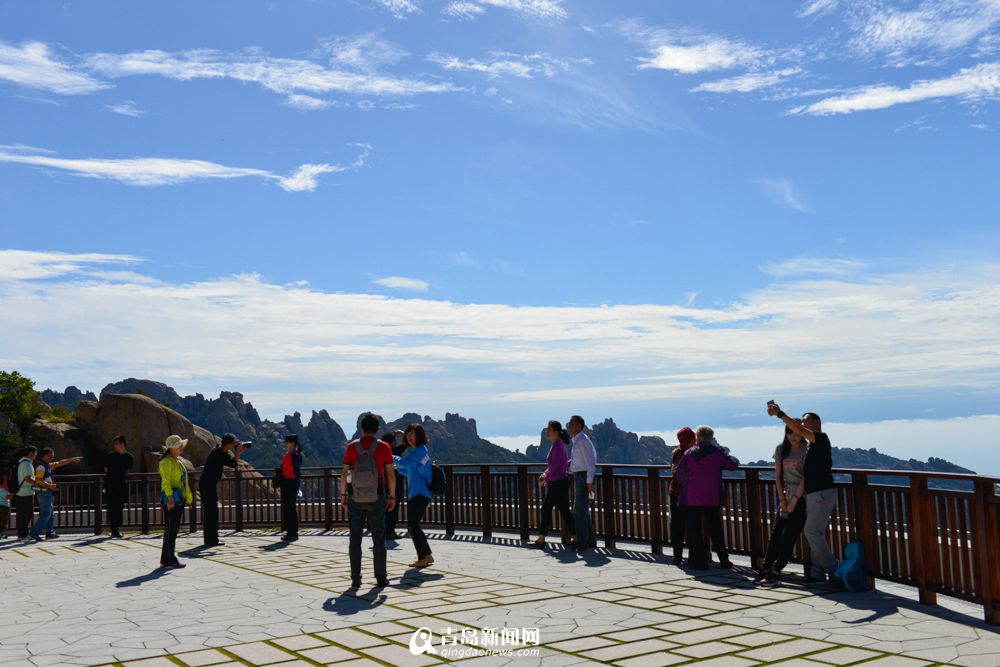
x=678 y=524
x=210 y=513
x=374 y=516
x=697 y=556
x=556 y=495
x=289 y=507
x=172 y=520
x=784 y=535
x=25 y=507
x=415 y=508
x=116 y=496
x=392 y=516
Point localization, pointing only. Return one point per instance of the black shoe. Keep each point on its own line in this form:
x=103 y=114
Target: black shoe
x=678 y=561
x=726 y=565
x=394 y=536
x=355 y=583
x=115 y=534
x=382 y=583
x=698 y=566
x=289 y=538
x=215 y=544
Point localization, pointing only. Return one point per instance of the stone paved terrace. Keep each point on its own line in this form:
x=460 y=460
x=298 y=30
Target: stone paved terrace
x=255 y=601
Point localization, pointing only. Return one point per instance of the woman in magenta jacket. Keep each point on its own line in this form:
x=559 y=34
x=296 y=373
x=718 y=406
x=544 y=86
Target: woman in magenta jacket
x=699 y=474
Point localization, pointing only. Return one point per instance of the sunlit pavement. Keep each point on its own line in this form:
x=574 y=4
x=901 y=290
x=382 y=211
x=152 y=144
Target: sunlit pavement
x=258 y=601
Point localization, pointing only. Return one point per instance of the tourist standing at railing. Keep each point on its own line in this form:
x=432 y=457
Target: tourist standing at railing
x=24 y=494
x=397 y=443
x=789 y=478
x=678 y=520
x=821 y=491
x=417 y=468
x=583 y=465
x=225 y=455
x=289 y=481
x=556 y=481
x=699 y=473
x=175 y=493
x=46 y=488
x=117 y=465
x=369 y=462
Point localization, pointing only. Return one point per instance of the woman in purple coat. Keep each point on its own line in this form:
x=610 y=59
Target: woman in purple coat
x=699 y=473
x=555 y=479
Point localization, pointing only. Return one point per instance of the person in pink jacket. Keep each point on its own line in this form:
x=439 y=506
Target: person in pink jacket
x=699 y=473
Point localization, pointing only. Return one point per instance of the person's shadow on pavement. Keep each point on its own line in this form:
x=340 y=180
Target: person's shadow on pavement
x=142 y=578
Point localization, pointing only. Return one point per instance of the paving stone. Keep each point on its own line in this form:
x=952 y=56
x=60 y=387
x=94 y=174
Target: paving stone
x=397 y=655
x=662 y=659
x=635 y=634
x=352 y=638
x=299 y=643
x=707 y=634
x=791 y=649
x=259 y=653
x=844 y=656
x=727 y=661
x=583 y=644
x=897 y=661
x=707 y=650
x=202 y=658
x=627 y=650
x=152 y=662
x=758 y=639
x=327 y=654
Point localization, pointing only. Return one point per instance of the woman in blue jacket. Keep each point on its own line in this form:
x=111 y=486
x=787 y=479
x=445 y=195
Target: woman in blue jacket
x=415 y=465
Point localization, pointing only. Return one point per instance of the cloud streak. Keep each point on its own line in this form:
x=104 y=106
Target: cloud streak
x=969 y=84
x=156 y=171
x=33 y=65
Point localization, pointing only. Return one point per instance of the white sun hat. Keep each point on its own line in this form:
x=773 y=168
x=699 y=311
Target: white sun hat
x=175 y=442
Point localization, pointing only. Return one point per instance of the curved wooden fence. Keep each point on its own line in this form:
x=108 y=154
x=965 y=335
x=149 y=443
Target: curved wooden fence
x=936 y=532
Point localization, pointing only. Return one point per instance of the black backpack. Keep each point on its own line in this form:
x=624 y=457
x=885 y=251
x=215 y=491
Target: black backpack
x=10 y=480
x=439 y=481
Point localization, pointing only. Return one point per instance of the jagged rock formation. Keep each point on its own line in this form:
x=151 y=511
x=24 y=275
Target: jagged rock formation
x=66 y=399
x=614 y=446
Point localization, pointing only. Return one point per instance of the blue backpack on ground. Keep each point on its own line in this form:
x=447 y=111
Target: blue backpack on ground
x=851 y=571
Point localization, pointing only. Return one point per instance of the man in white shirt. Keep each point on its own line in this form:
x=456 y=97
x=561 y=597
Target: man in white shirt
x=583 y=466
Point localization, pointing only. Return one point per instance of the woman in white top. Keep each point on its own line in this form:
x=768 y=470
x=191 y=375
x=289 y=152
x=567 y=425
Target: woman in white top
x=789 y=477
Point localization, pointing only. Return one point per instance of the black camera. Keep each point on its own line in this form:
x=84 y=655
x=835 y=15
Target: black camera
x=245 y=445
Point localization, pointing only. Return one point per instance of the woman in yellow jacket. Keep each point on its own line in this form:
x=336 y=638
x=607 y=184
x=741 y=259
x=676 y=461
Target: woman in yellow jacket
x=175 y=493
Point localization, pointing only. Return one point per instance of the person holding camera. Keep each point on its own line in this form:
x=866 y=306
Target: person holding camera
x=225 y=455
x=175 y=493
x=289 y=476
x=397 y=442
x=416 y=466
x=369 y=462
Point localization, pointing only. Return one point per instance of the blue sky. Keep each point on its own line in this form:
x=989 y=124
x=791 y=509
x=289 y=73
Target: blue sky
x=516 y=209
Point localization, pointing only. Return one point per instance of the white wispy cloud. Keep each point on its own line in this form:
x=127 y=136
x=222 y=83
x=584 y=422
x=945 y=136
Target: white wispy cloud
x=972 y=83
x=915 y=32
x=468 y=9
x=126 y=108
x=307 y=102
x=399 y=8
x=815 y=266
x=403 y=283
x=34 y=65
x=782 y=192
x=746 y=83
x=502 y=63
x=155 y=171
x=286 y=76
x=817 y=8
x=932 y=328
x=689 y=51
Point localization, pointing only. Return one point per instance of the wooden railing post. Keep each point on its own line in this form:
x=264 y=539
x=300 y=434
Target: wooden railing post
x=923 y=540
x=522 y=501
x=754 y=519
x=145 y=505
x=610 y=503
x=328 y=498
x=238 y=481
x=486 y=483
x=864 y=527
x=986 y=545
x=449 y=501
x=98 y=506
x=656 y=510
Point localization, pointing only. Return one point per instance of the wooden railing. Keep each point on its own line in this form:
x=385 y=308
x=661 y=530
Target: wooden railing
x=914 y=532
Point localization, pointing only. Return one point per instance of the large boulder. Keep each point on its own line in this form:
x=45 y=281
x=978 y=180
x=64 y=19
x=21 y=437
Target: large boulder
x=65 y=440
x=86 y=412
x=145 y=423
